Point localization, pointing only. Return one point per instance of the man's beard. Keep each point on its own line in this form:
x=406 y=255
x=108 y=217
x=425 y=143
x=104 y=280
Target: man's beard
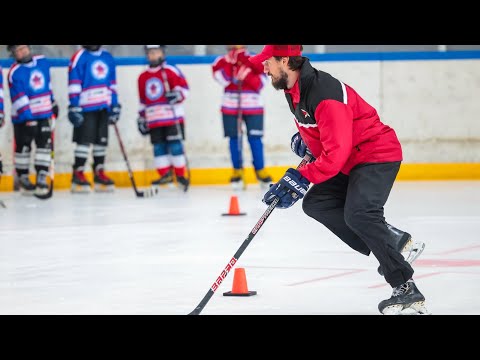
x=282 y=82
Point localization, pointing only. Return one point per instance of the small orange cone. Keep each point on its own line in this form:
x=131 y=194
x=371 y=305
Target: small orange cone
x=234 y=207
x=239 y=287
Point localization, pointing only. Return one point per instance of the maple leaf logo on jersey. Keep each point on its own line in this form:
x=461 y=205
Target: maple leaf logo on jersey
x=37 y=80
x=154 y=89
x=306 y=114
x=99 y=70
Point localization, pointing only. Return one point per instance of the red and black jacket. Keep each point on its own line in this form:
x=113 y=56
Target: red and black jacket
x=339 y=127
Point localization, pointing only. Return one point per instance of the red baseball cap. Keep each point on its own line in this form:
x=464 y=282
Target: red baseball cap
x=276 y=50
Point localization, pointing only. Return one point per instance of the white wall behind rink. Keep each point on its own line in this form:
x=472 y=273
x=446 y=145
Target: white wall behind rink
x=432 y=105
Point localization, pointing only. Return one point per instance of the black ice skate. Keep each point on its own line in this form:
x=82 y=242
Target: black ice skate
x=183 y=183
x=406 y=299
x=26 y=186
x=42 y=187
x=102 y=183
x=263 y=178
x=80 y=184
x=403 y=242
x=238 y=180
x=166 y=179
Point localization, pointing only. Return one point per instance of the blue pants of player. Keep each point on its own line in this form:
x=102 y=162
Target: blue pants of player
x=254 y=124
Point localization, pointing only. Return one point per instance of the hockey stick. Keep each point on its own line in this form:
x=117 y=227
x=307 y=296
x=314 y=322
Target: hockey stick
x=52 y=165
x=242 y=248
x=239 y=129
x=2 y=204
x=16 y=180
x=145 y=193
x=179 y=130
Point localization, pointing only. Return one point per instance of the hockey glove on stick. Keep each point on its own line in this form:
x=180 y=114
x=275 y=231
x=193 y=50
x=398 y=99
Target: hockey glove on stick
x=292 y=187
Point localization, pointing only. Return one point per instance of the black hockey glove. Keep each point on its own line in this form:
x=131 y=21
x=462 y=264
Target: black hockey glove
x=142 y=126
x=174 y=97
x=114 y=114
x=75 y=116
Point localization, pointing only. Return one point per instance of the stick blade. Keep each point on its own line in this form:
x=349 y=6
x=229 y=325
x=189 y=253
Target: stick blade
x=47 y=195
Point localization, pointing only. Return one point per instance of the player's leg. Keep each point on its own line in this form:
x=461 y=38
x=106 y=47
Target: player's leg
x=368 y=190
x=325 y=203
x=177 y=154
x=102 y=182
x=230 y=128
x=403 y=242
x=254 y=125
x=83 y=137
x=158 y=138
x=43 y=155
x=24 y=134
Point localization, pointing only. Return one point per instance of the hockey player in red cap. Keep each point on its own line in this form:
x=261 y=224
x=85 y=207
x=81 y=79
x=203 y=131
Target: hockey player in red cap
x=356 y=160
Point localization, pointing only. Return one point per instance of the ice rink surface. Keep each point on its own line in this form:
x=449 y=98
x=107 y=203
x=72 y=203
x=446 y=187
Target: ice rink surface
x=118 y=254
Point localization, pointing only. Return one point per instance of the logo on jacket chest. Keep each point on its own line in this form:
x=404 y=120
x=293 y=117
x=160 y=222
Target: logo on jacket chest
x=37 y=80
x=99 y=70
x=303 y=118
x=305 y=113
x=153 y=89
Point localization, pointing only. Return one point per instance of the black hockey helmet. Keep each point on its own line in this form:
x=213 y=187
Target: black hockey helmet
x=92 y=47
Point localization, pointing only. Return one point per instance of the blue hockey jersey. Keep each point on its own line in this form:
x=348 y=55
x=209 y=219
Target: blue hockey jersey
x=1 y=90
x=30 y=90
x=92 y=80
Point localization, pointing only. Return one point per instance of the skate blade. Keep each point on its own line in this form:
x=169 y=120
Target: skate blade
x=417 y=308
x=99 y=188
x=27 y=192
x=182 y=188
x=42 y=192
x=238 y=186
x=163 y=186
x=414 y=251
x=264 y=185
x=79 y=189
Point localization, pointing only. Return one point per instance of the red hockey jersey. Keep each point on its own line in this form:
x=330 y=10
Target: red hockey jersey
x=225 y=70
x=154 y=106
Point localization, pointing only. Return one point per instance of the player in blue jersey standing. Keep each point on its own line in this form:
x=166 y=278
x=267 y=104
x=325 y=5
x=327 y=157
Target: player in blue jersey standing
x=92 y=89
x=33 y=106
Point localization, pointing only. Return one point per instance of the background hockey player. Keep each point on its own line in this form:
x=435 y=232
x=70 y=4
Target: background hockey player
x=357 y=160
x=33 y=106
x=2 y=113
x=93 y=106
x=161 y=115
x=238 y=76
x=2 y=117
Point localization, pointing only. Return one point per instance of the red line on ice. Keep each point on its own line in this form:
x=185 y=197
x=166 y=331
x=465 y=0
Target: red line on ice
x=326 y=277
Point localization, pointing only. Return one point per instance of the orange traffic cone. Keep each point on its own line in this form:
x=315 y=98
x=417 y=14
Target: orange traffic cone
x=239 y=287
x=234 y=207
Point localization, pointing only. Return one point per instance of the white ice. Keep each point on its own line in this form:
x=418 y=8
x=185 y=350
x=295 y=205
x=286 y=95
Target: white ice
x=118 y=254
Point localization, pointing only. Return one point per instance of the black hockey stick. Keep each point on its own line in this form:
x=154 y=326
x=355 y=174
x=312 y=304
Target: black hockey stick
x=2 y=204
x=52 y=165
x=179 y=130
x=16 y=180
x=239 y=128
x=145 y=193
x=242 y=248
